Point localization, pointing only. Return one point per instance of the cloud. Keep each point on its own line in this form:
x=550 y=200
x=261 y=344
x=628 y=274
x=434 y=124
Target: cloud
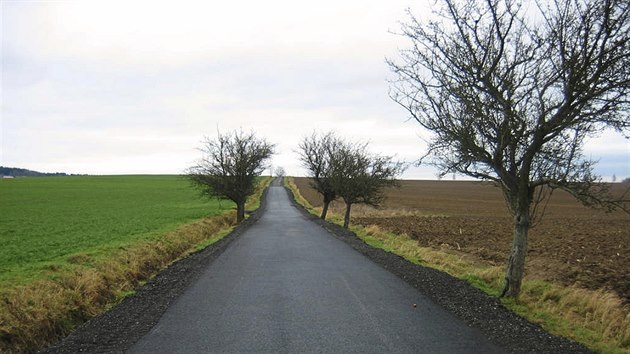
x=607 y=141
x=133 y=86
x=166 y=33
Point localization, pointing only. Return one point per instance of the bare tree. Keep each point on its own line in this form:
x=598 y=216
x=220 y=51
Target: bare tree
x=279 y=171
x=510 y=99
x=229 y=167
x=359 y=177
x=316 y=152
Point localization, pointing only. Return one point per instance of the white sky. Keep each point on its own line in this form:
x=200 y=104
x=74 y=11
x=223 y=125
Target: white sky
x=120 y=87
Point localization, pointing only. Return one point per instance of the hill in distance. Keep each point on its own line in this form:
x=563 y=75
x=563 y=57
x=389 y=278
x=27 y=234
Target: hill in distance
x=22 y=172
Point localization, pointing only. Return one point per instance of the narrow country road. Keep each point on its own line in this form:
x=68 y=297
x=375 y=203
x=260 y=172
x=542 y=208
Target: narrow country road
x=287 y=286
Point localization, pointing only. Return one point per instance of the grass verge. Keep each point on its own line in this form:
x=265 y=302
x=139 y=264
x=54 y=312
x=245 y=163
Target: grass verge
x=41 y=312
x=597 y=319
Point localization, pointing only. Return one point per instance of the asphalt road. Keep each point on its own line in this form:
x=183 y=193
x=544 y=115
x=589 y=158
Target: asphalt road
x=287 y=286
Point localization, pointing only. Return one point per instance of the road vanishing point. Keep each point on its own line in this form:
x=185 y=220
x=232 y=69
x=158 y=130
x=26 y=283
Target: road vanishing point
x=286 y=285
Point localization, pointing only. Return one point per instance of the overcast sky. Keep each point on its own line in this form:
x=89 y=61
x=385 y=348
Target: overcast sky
x=127 y=87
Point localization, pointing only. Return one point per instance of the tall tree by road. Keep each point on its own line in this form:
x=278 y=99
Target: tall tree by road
x=510 y=97
x=230 y=165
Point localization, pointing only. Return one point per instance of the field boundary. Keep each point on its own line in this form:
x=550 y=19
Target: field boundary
x=121 y=327
x=502 y=326
x=36 y=315
x=596 y=317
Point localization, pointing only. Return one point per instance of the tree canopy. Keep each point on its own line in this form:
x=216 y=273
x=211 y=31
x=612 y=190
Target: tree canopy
x=316 y=153
x=359 y=177
x=340 y=168
x=229 y=167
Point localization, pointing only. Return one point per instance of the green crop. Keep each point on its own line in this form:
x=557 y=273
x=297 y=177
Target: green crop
x=44 y=220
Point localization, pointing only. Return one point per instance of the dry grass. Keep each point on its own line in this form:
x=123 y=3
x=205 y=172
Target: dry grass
x=289 y=182
x=38 y=314
x=596 y=318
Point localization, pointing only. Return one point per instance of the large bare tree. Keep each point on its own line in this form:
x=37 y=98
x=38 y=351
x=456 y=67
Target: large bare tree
x=509 y=91
x=230 y=165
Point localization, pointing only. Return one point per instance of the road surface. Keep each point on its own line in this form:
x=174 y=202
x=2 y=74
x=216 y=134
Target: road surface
x=287 y=286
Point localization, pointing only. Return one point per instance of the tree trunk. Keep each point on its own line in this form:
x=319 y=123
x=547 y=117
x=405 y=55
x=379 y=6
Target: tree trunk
x=346 y=219
x=240 y=212
x=325 y=210
x=516 y=262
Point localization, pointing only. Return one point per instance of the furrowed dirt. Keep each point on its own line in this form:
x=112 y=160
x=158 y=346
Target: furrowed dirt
x=573 y=245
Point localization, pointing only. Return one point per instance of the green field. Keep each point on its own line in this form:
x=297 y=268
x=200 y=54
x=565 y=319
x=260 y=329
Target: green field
x=44 y=220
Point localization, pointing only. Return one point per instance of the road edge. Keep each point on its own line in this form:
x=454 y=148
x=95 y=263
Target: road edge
x=118 y=329
x=502 y=327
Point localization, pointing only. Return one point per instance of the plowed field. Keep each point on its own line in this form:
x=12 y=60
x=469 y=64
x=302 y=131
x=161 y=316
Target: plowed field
x=572 y=245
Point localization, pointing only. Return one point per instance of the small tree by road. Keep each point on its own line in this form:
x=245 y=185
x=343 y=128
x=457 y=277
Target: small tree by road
x=316 y=152
x=359 y=177
x=510 y=97
x=229 y=167
x=339 y=168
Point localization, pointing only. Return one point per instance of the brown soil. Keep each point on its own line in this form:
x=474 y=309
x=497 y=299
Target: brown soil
x=572 y=245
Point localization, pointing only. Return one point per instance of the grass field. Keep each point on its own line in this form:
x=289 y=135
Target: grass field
x=47 y=220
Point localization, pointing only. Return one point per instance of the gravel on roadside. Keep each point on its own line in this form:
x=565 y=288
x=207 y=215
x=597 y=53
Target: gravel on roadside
x=477 y=309
x=118 y=329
